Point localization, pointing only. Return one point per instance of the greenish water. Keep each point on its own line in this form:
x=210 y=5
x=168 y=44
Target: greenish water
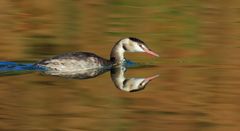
x=198 y=67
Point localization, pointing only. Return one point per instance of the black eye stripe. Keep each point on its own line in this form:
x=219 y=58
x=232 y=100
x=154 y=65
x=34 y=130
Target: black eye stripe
x=141 y=46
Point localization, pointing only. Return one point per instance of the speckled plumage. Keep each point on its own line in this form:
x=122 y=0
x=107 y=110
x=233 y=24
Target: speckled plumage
x=74 y=61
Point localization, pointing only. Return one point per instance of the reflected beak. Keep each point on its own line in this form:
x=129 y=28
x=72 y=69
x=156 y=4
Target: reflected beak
x=150 y=78
x=150 y=52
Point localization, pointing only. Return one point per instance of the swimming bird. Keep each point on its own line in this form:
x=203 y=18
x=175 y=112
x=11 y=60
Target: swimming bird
x=80 y=61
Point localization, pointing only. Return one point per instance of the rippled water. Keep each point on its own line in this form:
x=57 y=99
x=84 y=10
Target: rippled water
x=198 y=67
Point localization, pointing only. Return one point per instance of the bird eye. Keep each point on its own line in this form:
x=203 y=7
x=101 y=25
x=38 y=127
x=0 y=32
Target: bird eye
x=142 y=83
x=141 y=46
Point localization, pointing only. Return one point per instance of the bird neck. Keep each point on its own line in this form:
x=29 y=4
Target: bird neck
x=117 y=54
x=117 y=75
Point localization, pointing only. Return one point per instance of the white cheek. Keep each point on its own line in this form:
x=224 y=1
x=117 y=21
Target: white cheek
x=136 y=48
x=139 y=49
x=133 y=84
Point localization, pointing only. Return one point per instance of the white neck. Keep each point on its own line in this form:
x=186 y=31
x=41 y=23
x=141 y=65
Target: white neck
x=117 y=75
x=117 y=53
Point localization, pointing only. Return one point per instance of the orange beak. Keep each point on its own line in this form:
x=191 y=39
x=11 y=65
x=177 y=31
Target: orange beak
x=150 y=52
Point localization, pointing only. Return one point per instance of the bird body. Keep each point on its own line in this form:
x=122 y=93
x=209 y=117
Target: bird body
x=82 y=61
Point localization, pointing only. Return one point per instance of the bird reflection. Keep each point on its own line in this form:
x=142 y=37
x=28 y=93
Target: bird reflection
x=117 y=75
x=81 y=74
x=129 y=84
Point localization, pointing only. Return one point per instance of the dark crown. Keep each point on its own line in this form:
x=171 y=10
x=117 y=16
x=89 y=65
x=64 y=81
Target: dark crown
x=136 y=40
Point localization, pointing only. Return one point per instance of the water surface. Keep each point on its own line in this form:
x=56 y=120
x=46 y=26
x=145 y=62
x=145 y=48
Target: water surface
x=198 y=83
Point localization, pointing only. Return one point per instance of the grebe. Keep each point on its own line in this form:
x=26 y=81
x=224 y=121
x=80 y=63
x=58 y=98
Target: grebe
x=78 y=61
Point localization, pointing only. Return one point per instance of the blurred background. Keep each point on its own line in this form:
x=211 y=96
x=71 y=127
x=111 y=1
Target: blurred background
x=198 y=43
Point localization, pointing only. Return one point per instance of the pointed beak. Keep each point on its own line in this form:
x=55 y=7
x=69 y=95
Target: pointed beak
x=150 y=78
x=150 y=52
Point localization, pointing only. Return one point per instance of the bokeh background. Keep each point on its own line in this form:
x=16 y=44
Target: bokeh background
x=199 y=65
